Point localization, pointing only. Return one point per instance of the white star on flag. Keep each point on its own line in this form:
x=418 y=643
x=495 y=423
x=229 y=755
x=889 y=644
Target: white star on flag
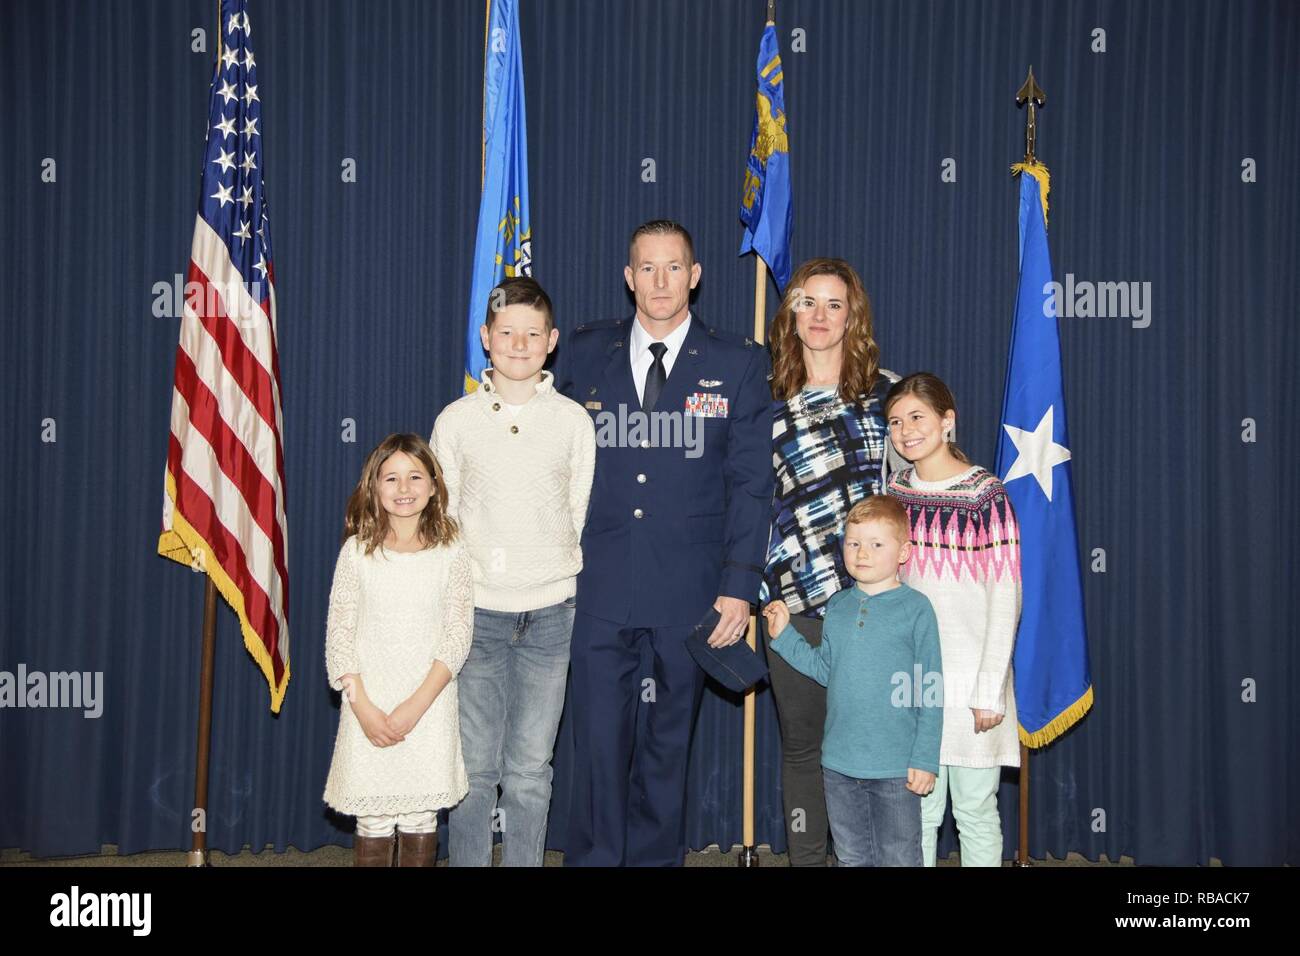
x=242 y=232
x=222 y=195
x=226 y=160
x=227 y=126
x=1036 y=453
x=228 y=56
x=248 y=163
x=227 y=91
x=250 y=94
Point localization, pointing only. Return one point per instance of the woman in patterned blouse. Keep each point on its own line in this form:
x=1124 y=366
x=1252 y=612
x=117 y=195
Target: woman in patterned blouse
x=829 y=448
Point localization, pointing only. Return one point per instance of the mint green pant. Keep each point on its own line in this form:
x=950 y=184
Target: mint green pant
x=974 y=807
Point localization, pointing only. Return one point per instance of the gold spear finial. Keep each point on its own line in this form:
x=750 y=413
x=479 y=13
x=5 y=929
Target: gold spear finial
x=1032 y=94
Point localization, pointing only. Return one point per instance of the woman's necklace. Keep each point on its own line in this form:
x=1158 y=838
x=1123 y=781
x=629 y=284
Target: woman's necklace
x=823 y=414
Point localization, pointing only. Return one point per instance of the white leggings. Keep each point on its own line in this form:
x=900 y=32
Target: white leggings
x=421 y=821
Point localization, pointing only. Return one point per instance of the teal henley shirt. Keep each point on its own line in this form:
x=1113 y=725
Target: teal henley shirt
x=880 y=663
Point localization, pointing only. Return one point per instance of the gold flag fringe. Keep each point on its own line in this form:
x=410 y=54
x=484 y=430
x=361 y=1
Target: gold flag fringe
x=1058 y=724
x=183 y=545
x=1039 y=172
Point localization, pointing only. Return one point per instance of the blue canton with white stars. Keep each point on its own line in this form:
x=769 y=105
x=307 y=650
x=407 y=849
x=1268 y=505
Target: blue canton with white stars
x=234 y=199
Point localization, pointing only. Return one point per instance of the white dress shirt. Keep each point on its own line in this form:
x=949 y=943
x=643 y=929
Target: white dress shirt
x=642 y=358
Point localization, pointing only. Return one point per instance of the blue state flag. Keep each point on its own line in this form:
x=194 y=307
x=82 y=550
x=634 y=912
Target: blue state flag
x=767 y=207
x=1052 y=679
x=503 y=242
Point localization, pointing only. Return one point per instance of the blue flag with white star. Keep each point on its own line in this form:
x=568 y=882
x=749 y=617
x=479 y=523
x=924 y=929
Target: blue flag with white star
x=1052 y=680
x=503 y=245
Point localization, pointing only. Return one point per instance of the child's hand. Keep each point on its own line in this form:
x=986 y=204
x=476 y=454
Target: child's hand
x=407 y=714
x=985 y=720
x=919 y=782
x=374 y=724
x=349 y=688
x=777 y=616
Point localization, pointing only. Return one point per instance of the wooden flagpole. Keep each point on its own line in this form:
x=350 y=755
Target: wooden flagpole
x=748 y=852
x=198 y=855
x=1032 y=96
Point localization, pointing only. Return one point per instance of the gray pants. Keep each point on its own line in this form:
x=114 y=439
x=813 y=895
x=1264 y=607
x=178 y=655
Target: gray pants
x=801 y=709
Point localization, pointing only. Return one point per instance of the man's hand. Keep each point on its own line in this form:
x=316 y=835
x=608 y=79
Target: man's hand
x=777 y=615
x=734 y=622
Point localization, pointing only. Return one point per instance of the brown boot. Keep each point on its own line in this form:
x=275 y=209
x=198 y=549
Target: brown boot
x=416 y=849
x=372 y=851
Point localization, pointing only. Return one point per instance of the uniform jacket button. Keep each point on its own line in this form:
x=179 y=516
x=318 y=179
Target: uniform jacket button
x=514 y=429
x=496 y=406
x=640 y=479
x=638 y=513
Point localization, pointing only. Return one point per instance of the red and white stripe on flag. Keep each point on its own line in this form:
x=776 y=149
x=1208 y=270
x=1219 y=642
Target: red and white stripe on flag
x=224 y=507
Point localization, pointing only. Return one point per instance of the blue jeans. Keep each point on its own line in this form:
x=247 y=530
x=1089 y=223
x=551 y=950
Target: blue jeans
x=873 y=822
x=511 y=694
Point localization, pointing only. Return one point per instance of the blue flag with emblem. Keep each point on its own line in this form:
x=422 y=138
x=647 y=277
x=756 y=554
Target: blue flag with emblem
x=767 y=206
x=1052 y=680
x=503 y=242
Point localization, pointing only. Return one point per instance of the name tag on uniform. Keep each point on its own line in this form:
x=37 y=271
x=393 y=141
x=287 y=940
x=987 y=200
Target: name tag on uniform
x=594 y=406
x=706 y=405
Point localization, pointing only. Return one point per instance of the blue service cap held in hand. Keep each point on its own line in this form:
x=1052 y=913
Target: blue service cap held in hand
x=736 y=667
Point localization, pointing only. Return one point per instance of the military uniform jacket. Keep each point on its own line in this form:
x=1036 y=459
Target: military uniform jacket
x=681 y=500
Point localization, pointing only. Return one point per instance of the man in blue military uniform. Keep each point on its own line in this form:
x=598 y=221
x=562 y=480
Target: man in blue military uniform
x=678 y=523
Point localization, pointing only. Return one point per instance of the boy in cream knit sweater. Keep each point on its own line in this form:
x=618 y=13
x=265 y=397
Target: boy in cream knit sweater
x=518 y=459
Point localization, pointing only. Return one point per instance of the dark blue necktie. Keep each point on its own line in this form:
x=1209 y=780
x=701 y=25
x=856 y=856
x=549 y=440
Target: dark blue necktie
x=654 y=378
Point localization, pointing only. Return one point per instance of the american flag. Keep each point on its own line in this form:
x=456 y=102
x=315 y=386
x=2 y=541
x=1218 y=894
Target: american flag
x=224 y=506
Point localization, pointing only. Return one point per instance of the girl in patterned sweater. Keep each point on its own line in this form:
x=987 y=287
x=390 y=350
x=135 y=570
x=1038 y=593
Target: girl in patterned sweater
x=966 y=560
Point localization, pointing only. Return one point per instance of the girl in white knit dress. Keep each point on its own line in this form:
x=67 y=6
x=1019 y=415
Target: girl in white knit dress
x=966 y=560
x=401 y=618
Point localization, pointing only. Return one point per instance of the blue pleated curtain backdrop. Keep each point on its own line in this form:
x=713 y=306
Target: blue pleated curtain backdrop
x=1190 y=753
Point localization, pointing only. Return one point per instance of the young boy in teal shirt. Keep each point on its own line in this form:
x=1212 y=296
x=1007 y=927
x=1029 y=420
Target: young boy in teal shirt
x=878 y=659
